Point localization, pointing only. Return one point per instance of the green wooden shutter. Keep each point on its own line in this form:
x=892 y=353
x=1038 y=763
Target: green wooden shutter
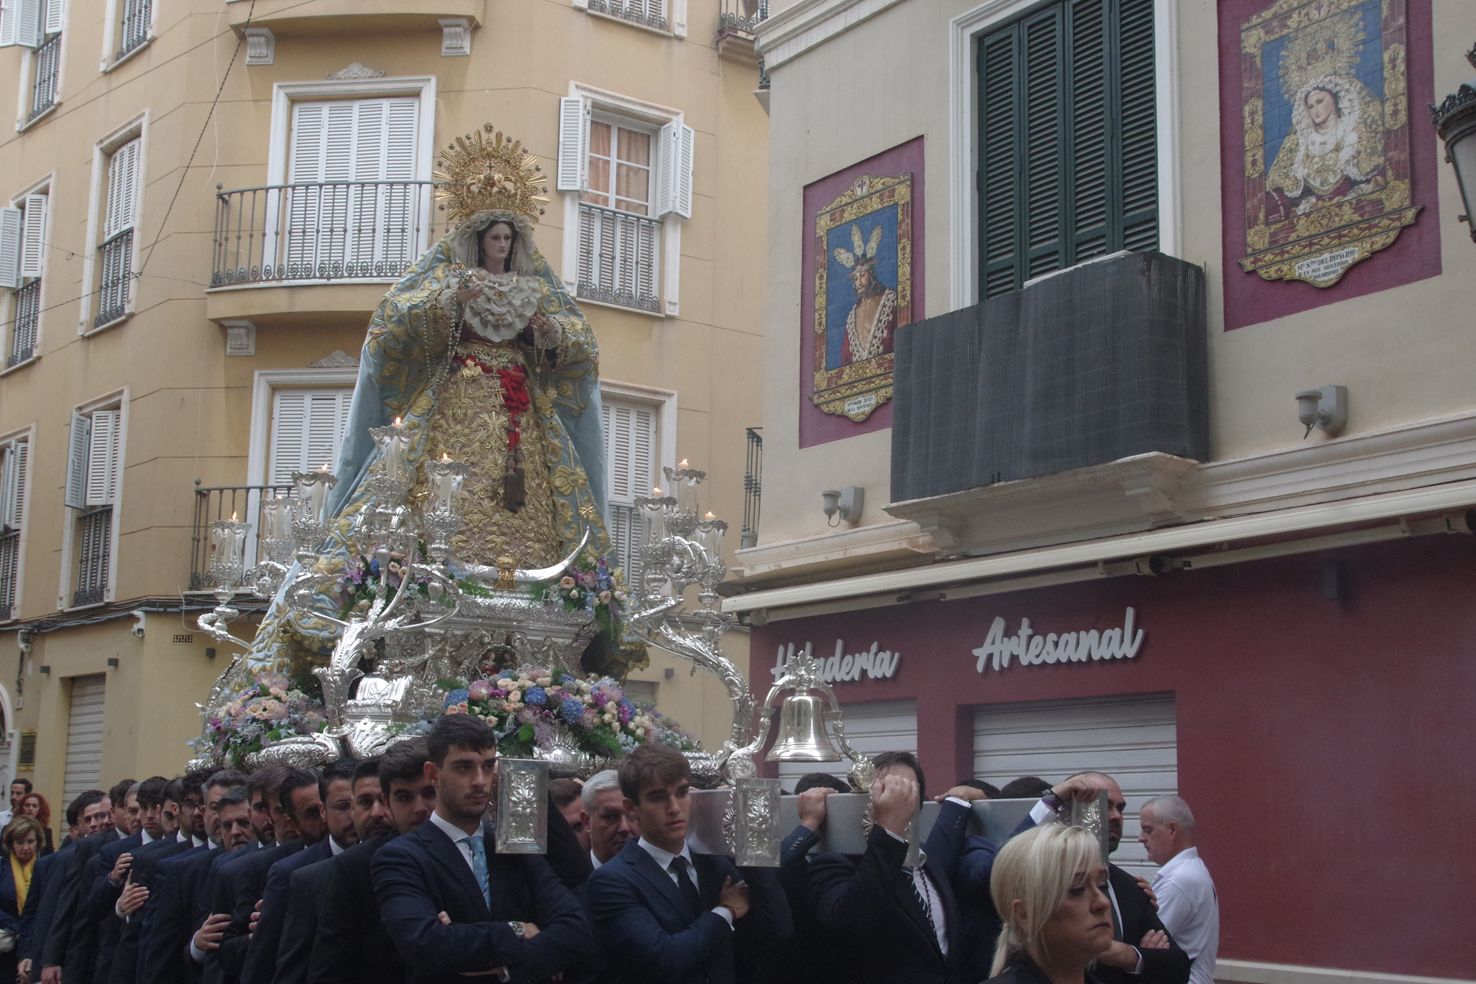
x=1068 y=142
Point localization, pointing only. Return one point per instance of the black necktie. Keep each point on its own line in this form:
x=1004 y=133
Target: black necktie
x=687 y=886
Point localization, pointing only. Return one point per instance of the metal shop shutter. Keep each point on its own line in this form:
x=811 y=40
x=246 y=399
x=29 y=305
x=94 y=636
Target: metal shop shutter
x=84 y=736
x=1133 y=739
x=882 y=726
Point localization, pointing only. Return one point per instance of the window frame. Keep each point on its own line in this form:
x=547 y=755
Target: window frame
x=675 y=11
x=8 y=311
x=964 y=32
x=637 y=114
x=664 y=405
x=102 y=156
x=266 y=383
x=27 y=436
x=113 y=28
x=71 y=535
x=29 y=67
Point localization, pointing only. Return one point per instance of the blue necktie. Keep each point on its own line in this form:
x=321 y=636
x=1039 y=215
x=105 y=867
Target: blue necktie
x=479 y=864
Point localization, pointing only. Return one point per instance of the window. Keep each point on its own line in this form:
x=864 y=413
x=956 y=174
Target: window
x=630 y=455
x=628 y=169
x=1068 y=156
x=37 y=25
x=22 y=259
x=131 y=26
x=94 y=471
x=15 y=456
x=118 y=212
x=653 y=14
x=307 y=431
x=353 y=204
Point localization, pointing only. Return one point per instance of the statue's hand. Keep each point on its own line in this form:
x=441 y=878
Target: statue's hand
x=546 y=331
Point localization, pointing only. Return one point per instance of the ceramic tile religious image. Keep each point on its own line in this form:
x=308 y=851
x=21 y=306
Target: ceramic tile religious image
x=1325 y=100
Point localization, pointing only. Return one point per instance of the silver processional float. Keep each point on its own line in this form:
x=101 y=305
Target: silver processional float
x=414 y=633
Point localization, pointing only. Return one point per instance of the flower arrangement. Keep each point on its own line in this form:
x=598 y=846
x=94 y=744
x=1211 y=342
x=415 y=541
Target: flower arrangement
x=530 y=706
x=272 y=708
x=356 y=585
x=594 y=586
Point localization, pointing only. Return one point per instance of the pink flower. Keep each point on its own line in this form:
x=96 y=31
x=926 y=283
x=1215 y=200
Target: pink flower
x=566 y=582
x=479 y=690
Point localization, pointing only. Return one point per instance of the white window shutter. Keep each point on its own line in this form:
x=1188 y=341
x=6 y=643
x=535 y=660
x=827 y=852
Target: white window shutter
x=7 y=23
x=10 y=247
x=308 y=120
x=123 y=177
x=629 y=443
x=33 y=237
x=78 y=443
x=22 y=471
x=21 y=23
x=573 y=143
x=102 y=459
x=289 y=433
x=55 y=12
x=325 y=418
x=401 y=139
x=13 y=484
x=674 y=189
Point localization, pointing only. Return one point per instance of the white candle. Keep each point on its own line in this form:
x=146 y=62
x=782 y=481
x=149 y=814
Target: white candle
x=446 y=477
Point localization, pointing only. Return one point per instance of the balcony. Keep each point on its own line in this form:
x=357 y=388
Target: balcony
x=136 y=16
x=214 y=503
x=48 y=70
x=94 y=556
x=753 y=487
x=330 y=17
x=9 y=572
x=355 y=236
x=27 y=321
x=646 y=13
x=117 y=272
x=619 y=254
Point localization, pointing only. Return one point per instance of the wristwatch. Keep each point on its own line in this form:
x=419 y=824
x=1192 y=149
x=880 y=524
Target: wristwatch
x=519 y=930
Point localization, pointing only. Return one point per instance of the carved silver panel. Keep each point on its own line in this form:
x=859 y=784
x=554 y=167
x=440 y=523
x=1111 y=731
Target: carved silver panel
x=521 y=825
x=756 y=834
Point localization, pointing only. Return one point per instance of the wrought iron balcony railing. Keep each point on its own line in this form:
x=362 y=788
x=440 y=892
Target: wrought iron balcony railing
x=647 y=13
x=117 y=276
x=619 y=254
x=23 y=329
x=741 y=16
x=48 y=70
x=9 y=572
x=94 y=556
x=213 y=503
x=753 y=486
x=310 y=233
x=136 y=16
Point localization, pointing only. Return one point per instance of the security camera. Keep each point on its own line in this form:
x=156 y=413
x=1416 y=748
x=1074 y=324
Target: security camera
x=138 y=628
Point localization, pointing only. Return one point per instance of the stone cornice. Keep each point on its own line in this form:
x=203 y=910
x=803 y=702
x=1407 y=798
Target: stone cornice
x=796 y=29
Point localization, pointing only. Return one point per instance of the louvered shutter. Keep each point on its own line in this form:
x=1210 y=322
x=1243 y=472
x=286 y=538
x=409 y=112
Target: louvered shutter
x=1091 y=91
x=305 y=165
x=79 y=440
x=999 y=186
x=102 y=459
x=20 y=23
x=10 y=247
x=307 y=431
x=123 y=178
x=289 y=436
x=674 y=162
x=13 y=484
x=1044 y=164
x=573 y=143
x=55 y=10
x=397 y=212
x=630 y=441
x=33 y=237
x=1139 y=111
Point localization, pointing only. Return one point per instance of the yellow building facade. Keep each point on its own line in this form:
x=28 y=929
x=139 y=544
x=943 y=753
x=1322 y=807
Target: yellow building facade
x=205 y=200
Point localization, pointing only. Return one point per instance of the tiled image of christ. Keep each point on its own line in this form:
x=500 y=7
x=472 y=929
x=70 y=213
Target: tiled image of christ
x=860 y=308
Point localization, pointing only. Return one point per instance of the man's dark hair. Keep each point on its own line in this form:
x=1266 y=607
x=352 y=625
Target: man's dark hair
x=119 y=793
x=24 y=784
x=341 y=769
x=151 y=791
x=1025 y=787
x=228 y=778
x=234 y=796
x=811 y=780
x=886 y=759
x=174 y=792
x=294 y=780
x=650 y=764
x=563 y=792
x=81 y=803
x=989 y=789
x=403 y=761
x=459 y=731
x=266 y=779
x=365 y=767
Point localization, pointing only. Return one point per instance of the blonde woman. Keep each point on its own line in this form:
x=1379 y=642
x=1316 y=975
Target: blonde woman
x=1050 y=888
x=22 y=840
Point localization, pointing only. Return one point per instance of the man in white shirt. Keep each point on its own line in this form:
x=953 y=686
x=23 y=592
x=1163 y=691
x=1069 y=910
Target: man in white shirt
x=1187 y=903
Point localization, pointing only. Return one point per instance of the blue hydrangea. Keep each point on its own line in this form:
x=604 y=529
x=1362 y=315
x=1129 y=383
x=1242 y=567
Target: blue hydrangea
x=535 y=696
x=457 y=696
x=572 y=710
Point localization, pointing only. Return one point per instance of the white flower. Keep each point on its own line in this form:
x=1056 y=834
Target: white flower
x=544 y=681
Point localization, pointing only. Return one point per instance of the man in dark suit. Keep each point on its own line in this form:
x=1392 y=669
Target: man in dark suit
x=506 y=913
x=170 y=917
x=112 y=870
x=61 y=947
x=184 y=811
x=665 y=914
x=902 y=920
x=324 y=815
x=41 y=902
x=307 y=895
x=240 y=883
x=352 y=945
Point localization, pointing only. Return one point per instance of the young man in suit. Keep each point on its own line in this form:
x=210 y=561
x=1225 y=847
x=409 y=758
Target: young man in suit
x=63 y=949
x=178 y=797
x=503 y=913
x=352 y=946
x=666 y=915
x=42 y=900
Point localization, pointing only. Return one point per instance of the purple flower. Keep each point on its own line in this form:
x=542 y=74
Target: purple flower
x=536 y=696
x=479 y=690
x=572 y=711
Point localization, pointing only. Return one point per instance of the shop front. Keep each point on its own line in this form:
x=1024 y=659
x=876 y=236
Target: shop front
x=1314 y=711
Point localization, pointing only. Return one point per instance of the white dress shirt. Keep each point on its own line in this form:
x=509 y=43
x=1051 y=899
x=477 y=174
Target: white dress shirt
x=664 y=858
x=1190 y=909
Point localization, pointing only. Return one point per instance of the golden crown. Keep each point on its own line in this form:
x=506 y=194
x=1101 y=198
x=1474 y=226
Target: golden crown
x=1328 y=47
x=485 y=170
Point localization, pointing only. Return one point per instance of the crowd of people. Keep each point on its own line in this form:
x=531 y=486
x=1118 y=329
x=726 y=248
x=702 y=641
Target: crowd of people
x=384 y=870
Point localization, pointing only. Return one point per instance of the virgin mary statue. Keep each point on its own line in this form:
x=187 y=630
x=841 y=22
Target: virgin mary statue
x=479 y=353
